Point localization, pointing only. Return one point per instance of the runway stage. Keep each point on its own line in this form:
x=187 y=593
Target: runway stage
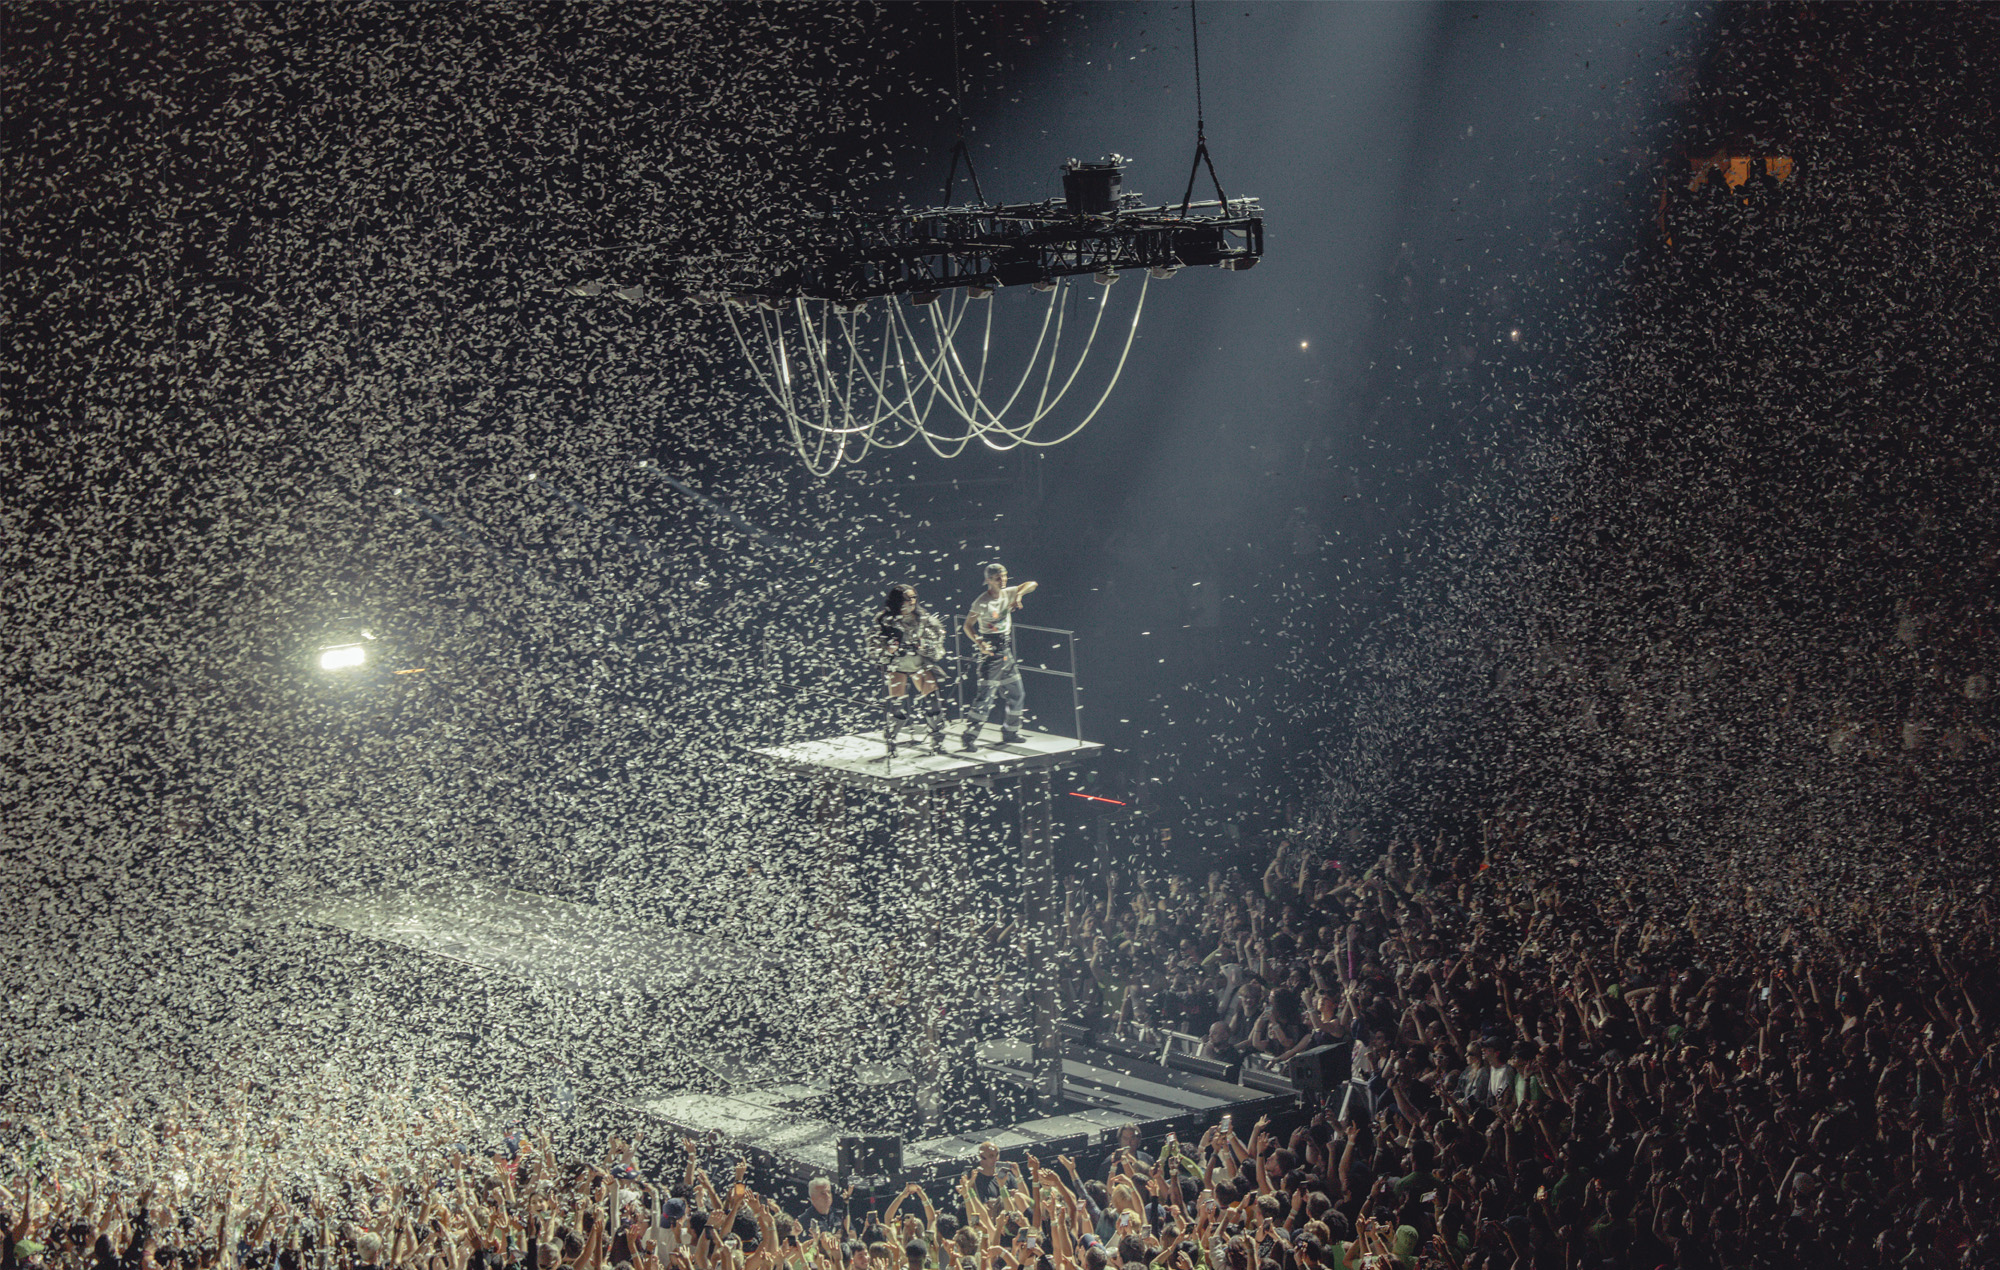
x=786 y=1120
x=791 y=1121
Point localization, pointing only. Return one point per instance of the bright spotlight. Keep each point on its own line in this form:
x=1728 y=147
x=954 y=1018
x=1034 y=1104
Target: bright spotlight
x=342 y=656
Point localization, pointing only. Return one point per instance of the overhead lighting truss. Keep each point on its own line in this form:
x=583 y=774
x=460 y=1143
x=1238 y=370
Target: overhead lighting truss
x=868 y=341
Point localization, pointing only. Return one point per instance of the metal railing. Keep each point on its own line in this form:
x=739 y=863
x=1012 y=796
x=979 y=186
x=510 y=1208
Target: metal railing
x=1067 y=642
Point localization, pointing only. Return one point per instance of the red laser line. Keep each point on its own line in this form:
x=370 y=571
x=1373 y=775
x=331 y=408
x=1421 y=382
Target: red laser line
x=1094 y=798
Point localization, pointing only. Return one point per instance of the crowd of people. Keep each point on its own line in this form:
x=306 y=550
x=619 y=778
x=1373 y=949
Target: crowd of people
x=1624 y=1079
x=1538 y=1079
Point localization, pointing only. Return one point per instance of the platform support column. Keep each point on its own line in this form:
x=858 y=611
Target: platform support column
x=1040 y=918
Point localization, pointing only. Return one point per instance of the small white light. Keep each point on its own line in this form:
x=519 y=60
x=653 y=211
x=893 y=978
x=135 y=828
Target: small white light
x=1303 y=344
x=342 y=657
x=1104 y=277
x=1514 y=334
x=1044 y=284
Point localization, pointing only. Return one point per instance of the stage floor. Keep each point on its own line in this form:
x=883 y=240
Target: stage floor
x=863 y=758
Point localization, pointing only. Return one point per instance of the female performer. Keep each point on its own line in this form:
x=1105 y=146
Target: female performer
x=908 y=643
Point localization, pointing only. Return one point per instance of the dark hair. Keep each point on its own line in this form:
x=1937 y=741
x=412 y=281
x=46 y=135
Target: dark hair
x=1286 y=1007
x=995 y=569
x=897 y=598
x=1131 y=1250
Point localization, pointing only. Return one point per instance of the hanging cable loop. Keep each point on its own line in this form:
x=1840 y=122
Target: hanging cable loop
x=885 y=333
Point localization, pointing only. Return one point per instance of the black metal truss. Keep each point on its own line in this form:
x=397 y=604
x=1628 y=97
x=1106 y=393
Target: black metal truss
x=856 y=256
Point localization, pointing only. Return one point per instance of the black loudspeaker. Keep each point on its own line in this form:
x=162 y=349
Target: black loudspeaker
x=870 y=1156
x=1326 y=1067
x=1214 y=1068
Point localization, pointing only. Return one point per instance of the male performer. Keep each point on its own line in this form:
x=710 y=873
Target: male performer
x=908 y=642
x=990 y=627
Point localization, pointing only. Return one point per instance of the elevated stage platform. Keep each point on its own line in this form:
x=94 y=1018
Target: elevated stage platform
x=740 y=1082
x=916 y=773
x=863 y=758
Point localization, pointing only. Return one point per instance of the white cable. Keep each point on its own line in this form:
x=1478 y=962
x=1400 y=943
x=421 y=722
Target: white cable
x=813 y=387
